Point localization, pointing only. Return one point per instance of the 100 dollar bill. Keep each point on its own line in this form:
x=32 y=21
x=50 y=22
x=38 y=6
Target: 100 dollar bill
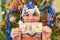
x=31 y=27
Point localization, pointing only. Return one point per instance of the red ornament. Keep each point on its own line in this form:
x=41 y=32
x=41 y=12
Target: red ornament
x=18 y=2
x=12 y=19
x=19 y=8
x=0 y=29
x=44 y=22
x=34 y=1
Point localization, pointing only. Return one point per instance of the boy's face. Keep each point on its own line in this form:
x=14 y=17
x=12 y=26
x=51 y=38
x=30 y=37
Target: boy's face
x=31 y=17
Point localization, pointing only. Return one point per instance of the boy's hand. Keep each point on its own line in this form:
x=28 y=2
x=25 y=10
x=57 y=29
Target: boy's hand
x=47 y=29
x=46 y=32
x=15 y=33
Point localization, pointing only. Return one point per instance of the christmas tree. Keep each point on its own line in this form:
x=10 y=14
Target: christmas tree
x=15 y=16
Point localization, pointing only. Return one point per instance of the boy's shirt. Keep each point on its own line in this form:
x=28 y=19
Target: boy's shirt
x=31 y=38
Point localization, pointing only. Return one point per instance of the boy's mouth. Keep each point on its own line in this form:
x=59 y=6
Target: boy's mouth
x=31 y=21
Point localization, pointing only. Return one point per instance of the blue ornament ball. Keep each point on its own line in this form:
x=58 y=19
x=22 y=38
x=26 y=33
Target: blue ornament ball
x=30 y=5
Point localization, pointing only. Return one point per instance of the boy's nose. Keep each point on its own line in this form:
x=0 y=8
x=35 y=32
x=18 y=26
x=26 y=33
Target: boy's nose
x=30 y=16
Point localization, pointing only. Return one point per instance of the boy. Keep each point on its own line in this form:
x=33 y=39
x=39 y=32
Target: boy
x=31 y=13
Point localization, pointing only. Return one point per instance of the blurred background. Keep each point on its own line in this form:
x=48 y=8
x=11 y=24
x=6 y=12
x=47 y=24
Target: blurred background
x=5 y=6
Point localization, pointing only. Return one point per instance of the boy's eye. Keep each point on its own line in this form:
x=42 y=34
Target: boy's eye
x=27 y=14
x=35 y=14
